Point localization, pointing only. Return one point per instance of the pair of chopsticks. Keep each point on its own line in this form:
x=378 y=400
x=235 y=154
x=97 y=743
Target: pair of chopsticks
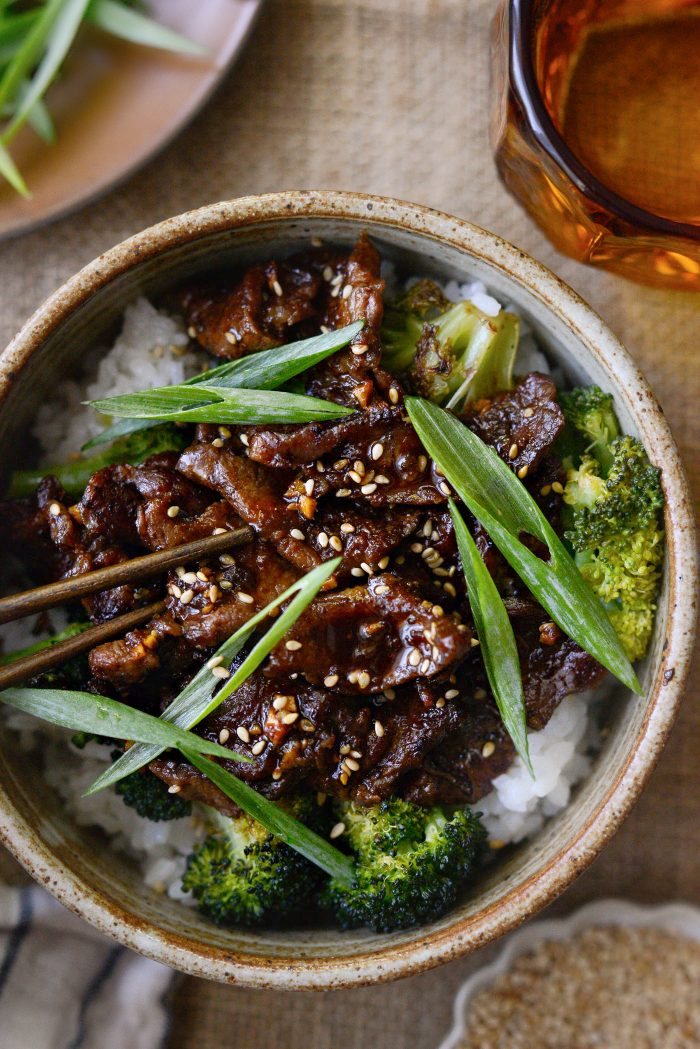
x=44 y=597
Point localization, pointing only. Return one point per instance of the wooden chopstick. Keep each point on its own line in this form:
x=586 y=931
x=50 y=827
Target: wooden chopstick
x=42 y=597
x=30 y=666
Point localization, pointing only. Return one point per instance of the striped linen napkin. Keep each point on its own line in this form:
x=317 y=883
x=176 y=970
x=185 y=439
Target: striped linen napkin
x=65 y=986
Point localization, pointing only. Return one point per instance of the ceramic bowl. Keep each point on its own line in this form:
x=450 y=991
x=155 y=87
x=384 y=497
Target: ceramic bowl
x=76 y=865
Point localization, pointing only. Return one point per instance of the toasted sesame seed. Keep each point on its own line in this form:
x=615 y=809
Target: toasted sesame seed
x=330 y=680
x=320 y=467
x=353 y=676
x=224 y=735
x=225 y=432
x=215 y=661
x=383 y=562
x=337 y=830
x=230 y=337
x=221 y=672
x=452 y=693
x=414 y=657
x=328 y=273
x=306 y=725
x=366 y=568
x=180 y=571
x=342 y=492
x=546 y=489
x=217 y=443
x=192 y=331
x=445 y=488
x=428 y=529
x=189 y=577
x=226 y=584
x=175 y=590
x=422 y=462
x=175 y=788
x=363 y=679
x=393 y=395
x=355 y=476
x=512 y=451
x=344 y=777
x=351 y=764
x=245 y=598
x=243 y=438
x=428 y=552
x=55 y=509
x=340 y=464
x=186 y=597
x=289 y=719
x=355 y=753
x=390 y=693
x=292 y=646
x=277 y=287
x=243 y=734
x=309 y=486
x=202 y=576
x=280 y=702
x=359 y=349
x=425 y=666
x=522 y=472
x=440 y=703
x=438 y=611
x=258 y=747
x=356 y=572
x=336 y=543
x=416 y=548
x=347 y=528
x=479 y=693
x=227 y=559
x=449 y=589
x=378 y=728
x=383 y=589
x=277 y=774
x=347 y=291
x=344 y=749
x=488 y=749
x=296 y=533
x=557 y=487
x=474 y=642
x=528 y=413
x=382 y=479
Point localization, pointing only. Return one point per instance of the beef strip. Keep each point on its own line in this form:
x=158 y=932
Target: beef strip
x=522 y=424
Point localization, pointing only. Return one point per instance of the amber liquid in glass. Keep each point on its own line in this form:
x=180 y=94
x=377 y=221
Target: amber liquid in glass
x=628 y=105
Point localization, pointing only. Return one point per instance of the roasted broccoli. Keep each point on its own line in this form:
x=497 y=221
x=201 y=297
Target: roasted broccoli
x=411 y=863
x=450 y=353
x=149 y=796
x=615 y=500
x=592 y=415
x=72 y=674
x=242 y=875
x=134 y=449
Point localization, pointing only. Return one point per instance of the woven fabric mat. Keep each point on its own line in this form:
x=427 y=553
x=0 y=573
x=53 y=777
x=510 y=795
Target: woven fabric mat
x=390 y=97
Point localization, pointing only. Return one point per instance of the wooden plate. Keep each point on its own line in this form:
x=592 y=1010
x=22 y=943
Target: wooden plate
x=117 y=104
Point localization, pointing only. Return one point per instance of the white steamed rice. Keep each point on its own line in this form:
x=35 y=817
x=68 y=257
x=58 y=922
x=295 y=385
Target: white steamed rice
x=152 y=351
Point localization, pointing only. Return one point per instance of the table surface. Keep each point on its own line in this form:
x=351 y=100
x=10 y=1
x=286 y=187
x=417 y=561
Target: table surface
x=390 y=97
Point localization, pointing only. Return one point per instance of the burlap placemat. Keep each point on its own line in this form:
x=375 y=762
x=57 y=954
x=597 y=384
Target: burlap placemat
x=389 y=96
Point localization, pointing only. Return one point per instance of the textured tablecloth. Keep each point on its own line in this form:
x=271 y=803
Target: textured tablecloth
x=390 y=97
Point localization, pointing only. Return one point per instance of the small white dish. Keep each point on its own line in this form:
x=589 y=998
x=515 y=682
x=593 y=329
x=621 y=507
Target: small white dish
x=679 y=918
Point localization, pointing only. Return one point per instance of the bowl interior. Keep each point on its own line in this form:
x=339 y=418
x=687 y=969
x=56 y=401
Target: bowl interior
x=78 y=864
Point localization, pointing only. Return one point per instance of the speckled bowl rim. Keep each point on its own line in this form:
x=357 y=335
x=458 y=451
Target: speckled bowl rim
x=426 y=949
x=680 y=918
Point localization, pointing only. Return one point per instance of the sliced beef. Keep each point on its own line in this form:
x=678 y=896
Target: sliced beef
x=370 y=638
x=521 y=424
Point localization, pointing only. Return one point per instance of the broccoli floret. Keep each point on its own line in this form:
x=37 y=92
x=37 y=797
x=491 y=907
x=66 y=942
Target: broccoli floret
x=617 y=538
x=149 y=797
x=411 y=863
x=243 y=875
x=134 y=449
x=450 y=353
x=591 y=413
x=72 y=674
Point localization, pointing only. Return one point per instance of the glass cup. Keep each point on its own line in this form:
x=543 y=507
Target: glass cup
x=640 y=221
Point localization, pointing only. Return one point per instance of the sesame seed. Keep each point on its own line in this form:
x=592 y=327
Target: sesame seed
x=416 y=548
x=344 y=749
x=289 y=719
x=428 y=529
x=217 y=443
x=347 y=528
x=224 y=735
x=474 y=642
x=452 y=693
x=351 y=764
x=359 y=349
x=277 y=774
x=438 y=611
x=383 y=589
x=353 y=676
x=309 y=486
x=390 y=693
x=330 y=680
x=230 y=337
x=384 y=562
x=307 y=726
x=393 y=395
x=368 y=489
x=175 y=590
x=546 y=489
x=340 y=464
x=428 y=552
x=320 y=467
x=243 y=438
x=336 y=543
x=344 y=777
x=280 y=702
x=382 y=479
x=296 y=533
x=245 y=598
x=347 y=291
x=449 y=589
x=215 y=661
x=356 y=572
x=557 y=487
x=277 y=287
x=259 y=747
x=363 y=679
x=173 y=511
x=227 y=559
x=377 y=450
x=422 y=462
x=366 y=568
x=528 y=413
x=479 y=693
x=202 y=576
x=414 y=657
x=292 y=646
x=355 y=753
x=355 y=476
x=225 y=432
x=440 y=703
x=180 y=571
x=186 y=597
x=378 y=728
x=323 y=540
x=213 y=594
x=522 y=472
x=425 y=666
x=337 y=830
x=488 y=749
x=445 y=488
x=342 y=492
x=175 y=788
x=512 y=451
x=221 y=672
x=55 y=509
x=226 y=584
x=328 y=273
x=192 y=331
